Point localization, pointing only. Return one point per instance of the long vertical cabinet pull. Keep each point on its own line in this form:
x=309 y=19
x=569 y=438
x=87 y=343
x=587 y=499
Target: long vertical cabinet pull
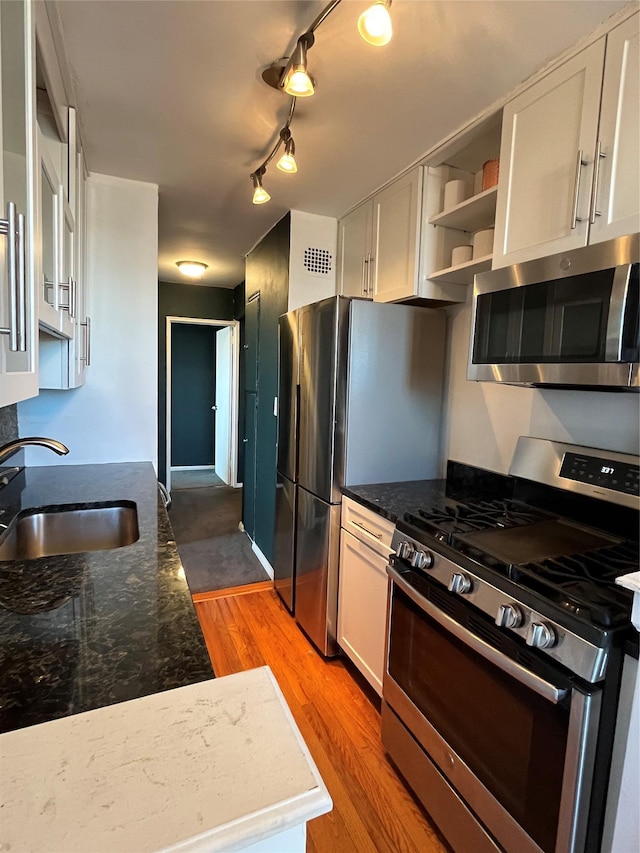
x=580 y=162
x=594 y=187
x=22 y=285
x=13 y=227
x=370 y=263
x=365 y=284
x=87 y=342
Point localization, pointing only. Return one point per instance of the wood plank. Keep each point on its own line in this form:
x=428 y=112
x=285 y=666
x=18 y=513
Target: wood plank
x=373 y=811
x=246 y=589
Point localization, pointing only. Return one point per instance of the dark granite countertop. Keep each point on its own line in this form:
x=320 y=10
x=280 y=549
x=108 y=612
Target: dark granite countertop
x=82 y=631
x=392 y=500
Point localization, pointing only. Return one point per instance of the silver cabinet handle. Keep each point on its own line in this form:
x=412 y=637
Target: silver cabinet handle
x=369 y=268
x=22 y=285
x=8 y=227
x=364 y=275
x=87 y=338
x=73 y=297
x=580 y=162
x=596 y=179
x=366 y=529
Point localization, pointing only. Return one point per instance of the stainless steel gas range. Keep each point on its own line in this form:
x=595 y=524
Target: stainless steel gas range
x=505 y=641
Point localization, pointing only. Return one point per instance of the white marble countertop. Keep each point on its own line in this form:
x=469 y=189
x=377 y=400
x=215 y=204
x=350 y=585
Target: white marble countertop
x=213 y=766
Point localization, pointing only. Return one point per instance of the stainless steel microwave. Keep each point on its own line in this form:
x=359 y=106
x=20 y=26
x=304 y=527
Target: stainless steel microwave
x=568 y=320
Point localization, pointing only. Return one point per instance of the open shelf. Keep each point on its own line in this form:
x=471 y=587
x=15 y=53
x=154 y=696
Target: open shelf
x=472 y=214
x=462 y=273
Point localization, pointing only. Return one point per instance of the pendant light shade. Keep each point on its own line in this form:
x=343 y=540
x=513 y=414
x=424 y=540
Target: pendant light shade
x=374 y=25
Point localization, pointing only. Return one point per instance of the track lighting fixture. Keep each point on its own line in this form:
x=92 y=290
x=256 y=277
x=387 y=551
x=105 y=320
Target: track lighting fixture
x=287 y=163
x=194 y=269
x=260 y=195
x=374 y=25
x=292 y=77
x=296 y=80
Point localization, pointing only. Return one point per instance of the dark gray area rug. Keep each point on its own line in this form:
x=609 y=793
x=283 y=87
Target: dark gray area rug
x=214 y=552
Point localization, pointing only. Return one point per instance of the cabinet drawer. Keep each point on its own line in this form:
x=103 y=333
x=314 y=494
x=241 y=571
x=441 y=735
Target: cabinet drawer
x=367 y=526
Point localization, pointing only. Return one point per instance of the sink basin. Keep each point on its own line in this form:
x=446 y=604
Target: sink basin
x=69 y=529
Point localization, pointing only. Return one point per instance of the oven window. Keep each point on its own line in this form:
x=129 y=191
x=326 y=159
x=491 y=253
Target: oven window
x=513 y=740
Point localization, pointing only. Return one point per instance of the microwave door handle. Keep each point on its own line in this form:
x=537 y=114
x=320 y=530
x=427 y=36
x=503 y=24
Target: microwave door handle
x=515 y=670
x=617 y=311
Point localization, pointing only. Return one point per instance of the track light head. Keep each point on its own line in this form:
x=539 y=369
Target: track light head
x=260 y=195
x=374 y=25
x=287 y=163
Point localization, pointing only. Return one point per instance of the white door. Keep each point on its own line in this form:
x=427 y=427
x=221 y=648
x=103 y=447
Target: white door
x=617 y=197
x=223 y=404
x=549 y=136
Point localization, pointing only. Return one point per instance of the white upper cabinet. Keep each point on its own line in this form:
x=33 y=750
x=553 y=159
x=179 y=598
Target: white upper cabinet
x=18 y=343
x=564 y=183
x=379 y=243
x=394 y=265
x=615 y=209
x=354 y=251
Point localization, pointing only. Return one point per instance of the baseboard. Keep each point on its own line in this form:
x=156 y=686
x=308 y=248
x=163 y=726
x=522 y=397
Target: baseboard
x=266 y=565
x=193 y=468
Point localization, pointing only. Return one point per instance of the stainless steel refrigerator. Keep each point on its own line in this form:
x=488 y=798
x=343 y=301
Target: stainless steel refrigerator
x=359 y=401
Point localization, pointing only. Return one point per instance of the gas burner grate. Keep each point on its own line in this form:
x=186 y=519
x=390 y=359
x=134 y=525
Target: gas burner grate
x=454 y=517
x=584 y=584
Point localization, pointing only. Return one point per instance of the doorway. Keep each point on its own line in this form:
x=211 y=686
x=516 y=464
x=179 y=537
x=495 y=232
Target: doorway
x=205 y=388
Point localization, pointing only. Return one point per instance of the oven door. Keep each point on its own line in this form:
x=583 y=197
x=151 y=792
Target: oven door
x=515 y=746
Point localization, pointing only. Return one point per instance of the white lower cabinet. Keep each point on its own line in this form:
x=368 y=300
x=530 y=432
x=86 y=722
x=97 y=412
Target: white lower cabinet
x=362 y=591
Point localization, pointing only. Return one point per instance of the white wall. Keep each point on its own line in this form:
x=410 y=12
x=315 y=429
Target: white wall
x=484 y=419
x=310 y=231
x=113 y=417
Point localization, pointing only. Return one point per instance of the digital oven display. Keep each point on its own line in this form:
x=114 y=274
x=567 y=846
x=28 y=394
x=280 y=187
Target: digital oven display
x=618 y=476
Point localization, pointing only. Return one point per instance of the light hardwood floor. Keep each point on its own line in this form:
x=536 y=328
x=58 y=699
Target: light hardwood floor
x=372 y=809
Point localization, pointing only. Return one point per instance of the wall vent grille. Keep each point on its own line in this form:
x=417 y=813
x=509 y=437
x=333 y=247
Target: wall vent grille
x=317 y=261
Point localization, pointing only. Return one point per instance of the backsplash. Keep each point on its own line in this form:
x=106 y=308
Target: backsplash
x=8 y=423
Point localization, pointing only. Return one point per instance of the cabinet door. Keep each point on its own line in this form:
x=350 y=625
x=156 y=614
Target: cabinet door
x=18 y=351
x=354 y=249
x=548 y=142
x=362 y=607
x=396 y=215
x=616 y=202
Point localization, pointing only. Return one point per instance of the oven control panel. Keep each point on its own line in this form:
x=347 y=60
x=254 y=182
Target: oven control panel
x=534 y=628
x=599 y=471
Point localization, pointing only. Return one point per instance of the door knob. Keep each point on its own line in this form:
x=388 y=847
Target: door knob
x=245 y=440
x=214 y=408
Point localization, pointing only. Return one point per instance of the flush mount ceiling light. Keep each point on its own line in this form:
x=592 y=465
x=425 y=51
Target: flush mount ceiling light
x=194 y=269
x=374 y=25
x=291 y=75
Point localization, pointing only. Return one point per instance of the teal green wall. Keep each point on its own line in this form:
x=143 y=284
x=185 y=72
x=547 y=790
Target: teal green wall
x=267 y=271
x=183 y=300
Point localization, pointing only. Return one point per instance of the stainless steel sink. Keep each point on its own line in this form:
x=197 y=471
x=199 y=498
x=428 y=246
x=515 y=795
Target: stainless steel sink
x=70 y=529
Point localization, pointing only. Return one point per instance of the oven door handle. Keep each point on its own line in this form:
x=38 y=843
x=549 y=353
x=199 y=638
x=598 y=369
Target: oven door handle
x=529 y=679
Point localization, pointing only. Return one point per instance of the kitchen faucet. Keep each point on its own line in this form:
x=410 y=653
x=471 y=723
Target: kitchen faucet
x=11 y=447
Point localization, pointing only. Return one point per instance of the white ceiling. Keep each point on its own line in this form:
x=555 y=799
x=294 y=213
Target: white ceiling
x=169 y=91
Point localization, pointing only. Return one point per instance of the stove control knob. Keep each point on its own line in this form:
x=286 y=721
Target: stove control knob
x=509 y=616
x=541 y=636
x=421 y=559
x=459 y=583
x=404 y=550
